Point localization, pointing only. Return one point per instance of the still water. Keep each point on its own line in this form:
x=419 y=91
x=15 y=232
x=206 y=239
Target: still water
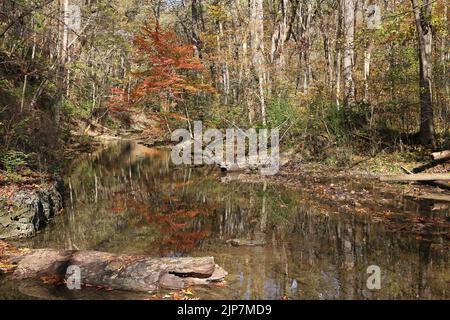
x=130 y=199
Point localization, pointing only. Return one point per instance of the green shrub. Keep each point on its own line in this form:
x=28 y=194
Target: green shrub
x=13 y=160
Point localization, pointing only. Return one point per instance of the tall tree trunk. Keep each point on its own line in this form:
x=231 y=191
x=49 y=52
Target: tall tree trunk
x=307 y=47
x=445 y=57
x=24 y=90
x=425 y=40
x=366 y=71
x=328 y=60
x=195 y=27
x=257 y=44
x=279 y=36
x=349 y=51
x=62 y=60
x=367 y=59
x=338 y=58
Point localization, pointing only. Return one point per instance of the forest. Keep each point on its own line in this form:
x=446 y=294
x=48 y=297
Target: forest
x=359 y=90
x=318 y=70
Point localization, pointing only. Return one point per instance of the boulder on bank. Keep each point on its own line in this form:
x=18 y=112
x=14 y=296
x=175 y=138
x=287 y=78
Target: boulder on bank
x=28 y=210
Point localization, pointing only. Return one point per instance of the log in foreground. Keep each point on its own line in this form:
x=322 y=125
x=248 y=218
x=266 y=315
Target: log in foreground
x=416 y=177
x=121 y=272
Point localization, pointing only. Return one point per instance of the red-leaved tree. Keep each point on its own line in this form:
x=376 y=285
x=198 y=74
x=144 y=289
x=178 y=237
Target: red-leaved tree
x=167 y=71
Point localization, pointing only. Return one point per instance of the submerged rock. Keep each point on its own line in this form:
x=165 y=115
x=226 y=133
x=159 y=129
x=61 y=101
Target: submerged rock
x=28 y=210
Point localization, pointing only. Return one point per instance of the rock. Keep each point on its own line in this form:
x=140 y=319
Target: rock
x=28 y=211
x=5 y=221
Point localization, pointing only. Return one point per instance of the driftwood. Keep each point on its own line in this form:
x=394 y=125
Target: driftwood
x=441 y=155
x=417 y=177
x=438 y=183
x=122 y=272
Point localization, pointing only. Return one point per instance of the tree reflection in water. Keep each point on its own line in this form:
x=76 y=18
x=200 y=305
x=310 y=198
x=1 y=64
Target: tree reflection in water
x=129 y=199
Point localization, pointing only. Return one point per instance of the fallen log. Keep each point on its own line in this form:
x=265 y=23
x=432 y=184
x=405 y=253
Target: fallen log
x=441 y=155
x=416 y=177
x=437 y=183
x=121 y=272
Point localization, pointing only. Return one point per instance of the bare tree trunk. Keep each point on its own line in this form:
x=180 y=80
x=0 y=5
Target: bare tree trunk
x=246 y=75
x=349 y=51
x=257 y=41
x=225 y=72
x=445 y=56
x=62 y=60
x=195 y=29
x=33 y=54
x=279 y=37
x=24 y=89
x=425 y=40
x=338 y=56
x=328 y=60
x=367 y=59
x=366 y=73
x=226 y=82
x=307 y=47
x=157 y=9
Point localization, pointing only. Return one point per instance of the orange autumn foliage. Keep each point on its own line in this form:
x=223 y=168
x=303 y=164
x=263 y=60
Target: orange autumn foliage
x=168 y=70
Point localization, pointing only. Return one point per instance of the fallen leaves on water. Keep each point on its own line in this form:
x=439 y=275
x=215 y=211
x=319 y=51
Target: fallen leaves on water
x=97 y=287
x=184 y=294
x=54 y=280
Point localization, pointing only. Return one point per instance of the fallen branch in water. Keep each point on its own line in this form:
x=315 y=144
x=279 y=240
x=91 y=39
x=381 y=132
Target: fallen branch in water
x=436 y=183
x=122 y=272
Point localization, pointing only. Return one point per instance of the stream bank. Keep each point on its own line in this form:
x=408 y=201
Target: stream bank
x=30 y=198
